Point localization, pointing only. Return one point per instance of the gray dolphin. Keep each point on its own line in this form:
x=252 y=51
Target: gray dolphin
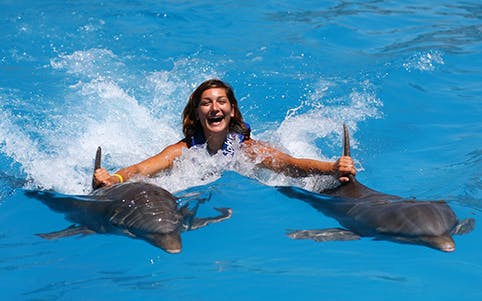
x=363 y=211
x=136 y=209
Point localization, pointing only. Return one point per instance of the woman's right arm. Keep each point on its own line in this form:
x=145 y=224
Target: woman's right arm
x=149 y=167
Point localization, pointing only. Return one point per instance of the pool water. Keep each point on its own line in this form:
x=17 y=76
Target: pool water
x=404 y=76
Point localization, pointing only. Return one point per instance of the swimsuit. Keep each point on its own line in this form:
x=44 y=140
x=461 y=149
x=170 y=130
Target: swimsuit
x=228 y=146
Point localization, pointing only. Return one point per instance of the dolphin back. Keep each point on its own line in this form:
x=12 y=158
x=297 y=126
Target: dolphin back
x=141 y=207
x=404 y=218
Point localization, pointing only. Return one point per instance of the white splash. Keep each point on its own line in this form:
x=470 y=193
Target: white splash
x=92 y=63
x=317 y=119
x=426 y=61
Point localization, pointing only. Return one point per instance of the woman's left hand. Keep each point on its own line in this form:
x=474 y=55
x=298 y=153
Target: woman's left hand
x=344 y=166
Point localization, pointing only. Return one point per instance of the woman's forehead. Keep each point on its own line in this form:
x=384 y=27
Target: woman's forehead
x=214 y=92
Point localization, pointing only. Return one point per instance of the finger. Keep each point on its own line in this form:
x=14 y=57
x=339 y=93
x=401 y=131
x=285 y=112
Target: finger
x=346 y=169
x=99 y=172
x=344 y=179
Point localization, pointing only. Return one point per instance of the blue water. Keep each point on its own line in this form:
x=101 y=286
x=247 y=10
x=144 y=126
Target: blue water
x=404 y=75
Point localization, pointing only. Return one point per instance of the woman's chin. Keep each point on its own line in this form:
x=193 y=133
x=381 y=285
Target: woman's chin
x=216 y=128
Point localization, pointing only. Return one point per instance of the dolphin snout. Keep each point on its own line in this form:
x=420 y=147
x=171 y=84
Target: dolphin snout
x=443 y=243
x=169 y=242
x=173 y=251
x=447 y=247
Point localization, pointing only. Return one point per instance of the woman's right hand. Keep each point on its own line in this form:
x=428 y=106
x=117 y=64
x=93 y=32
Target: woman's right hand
x=102 y=177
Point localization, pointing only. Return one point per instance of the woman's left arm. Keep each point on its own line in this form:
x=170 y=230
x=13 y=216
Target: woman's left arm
x=271 y=158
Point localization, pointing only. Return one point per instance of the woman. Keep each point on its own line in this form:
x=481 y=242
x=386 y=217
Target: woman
x=212 y=118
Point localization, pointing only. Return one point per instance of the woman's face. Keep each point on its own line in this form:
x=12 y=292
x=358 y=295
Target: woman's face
x=214 y=111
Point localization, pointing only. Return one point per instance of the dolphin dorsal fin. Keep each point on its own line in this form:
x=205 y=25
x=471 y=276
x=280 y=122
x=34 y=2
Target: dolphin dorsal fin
x=98 y=158
x=346 y=148
x=346 y=141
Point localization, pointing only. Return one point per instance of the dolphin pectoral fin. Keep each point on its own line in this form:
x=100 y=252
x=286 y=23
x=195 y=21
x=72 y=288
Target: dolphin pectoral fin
x=331 y=234
x=197 y=223
x=70 y=231
x=169 y=242
x=464 y=226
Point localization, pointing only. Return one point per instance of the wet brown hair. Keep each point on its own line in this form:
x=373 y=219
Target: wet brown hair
x=190 y=124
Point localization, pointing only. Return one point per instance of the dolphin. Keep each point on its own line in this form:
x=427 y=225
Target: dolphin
x=135 y=209
x=364 y=212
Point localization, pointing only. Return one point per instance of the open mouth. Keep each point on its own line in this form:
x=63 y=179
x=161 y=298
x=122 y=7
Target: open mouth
x=215 y=119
